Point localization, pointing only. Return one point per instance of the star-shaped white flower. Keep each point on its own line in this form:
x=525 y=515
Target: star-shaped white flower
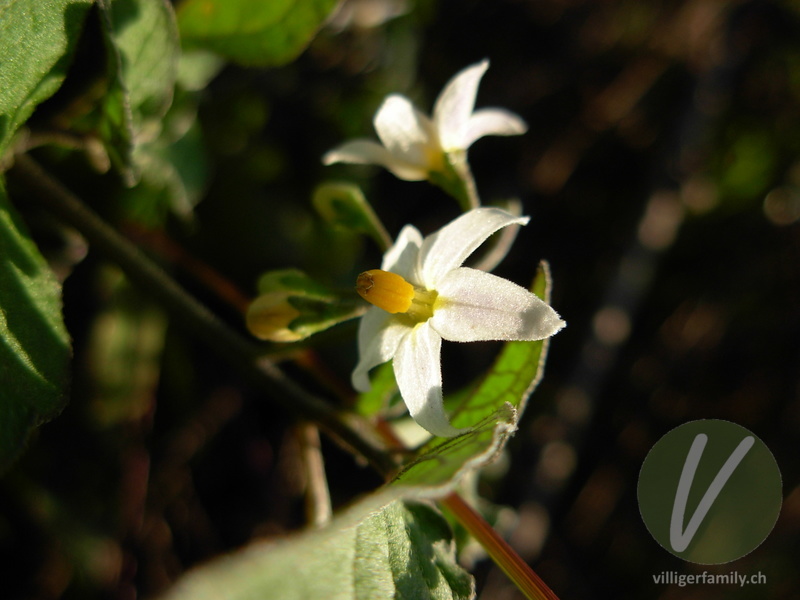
x=414 y=145
x=423 y=295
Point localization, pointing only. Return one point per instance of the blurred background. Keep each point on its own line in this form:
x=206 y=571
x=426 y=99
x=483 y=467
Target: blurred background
x=661 y=170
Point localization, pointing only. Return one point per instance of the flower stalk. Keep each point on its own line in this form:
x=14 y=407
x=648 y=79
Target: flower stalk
x=501 y=553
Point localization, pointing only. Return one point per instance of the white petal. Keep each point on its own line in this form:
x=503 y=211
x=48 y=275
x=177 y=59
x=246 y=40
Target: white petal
x=407 y=133
x=379 y=335
x=367 y=152
x=449 y=247
x=418 y=370
x=477 y=306
x=454 y=106
x=402 y=257
x=492 y=121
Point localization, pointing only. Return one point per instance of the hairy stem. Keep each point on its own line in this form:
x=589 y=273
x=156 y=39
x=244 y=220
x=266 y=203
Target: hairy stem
x=197 y=320
x=503 y=555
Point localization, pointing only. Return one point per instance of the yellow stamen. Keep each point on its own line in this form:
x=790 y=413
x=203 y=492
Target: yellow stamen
x=385 y=290
x=394 y=294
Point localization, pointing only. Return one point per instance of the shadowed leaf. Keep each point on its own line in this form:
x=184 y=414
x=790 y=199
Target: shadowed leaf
x=34 y=345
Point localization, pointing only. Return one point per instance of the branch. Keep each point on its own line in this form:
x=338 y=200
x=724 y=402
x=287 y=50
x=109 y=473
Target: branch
x=191 y=314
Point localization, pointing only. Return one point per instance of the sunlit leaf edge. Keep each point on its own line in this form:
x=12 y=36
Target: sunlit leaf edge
x=361 y=570
x=441 y=462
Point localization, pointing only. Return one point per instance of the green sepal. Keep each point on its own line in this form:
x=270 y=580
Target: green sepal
x=456 y=179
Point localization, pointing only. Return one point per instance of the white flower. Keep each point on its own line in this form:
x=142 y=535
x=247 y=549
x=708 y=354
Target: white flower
x=415 y=145
x=423 y=295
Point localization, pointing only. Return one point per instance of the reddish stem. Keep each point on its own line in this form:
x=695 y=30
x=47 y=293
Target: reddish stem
x=503 y=555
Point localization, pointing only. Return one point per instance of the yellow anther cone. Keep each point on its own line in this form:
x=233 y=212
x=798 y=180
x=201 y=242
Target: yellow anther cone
x=385 y=290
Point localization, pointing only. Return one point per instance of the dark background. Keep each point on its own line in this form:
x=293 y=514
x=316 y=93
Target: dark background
x=661 y=173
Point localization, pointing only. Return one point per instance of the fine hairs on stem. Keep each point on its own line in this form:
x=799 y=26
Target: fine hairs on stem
x=197 y=319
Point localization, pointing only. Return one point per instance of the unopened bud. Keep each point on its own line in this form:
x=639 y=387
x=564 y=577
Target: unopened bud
x=269 y=316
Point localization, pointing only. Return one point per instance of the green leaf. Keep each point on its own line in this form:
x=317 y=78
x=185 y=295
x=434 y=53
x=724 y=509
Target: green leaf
x=173 y=170
x=196 y=69
x=443 y=462
x=495 y=404
x=34 y=344
x=143 y=47
x=344 y=205
x=37 y=39
x=376 y=550
x=383 y=387
x=252 y=32
x=174 y=167
x=515 y=373
x=145 y=34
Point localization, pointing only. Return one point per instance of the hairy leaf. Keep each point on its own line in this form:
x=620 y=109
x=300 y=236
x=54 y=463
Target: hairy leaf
x=173 y=170
x=34 y=345
x=37 y=38
x=399 y=550
x=143 y=48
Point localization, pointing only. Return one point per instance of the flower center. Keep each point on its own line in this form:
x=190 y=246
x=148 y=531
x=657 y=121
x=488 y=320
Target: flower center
x=394 y=294
x=435 y=158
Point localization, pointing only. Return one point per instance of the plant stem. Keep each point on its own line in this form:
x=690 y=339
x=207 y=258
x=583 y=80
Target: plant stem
x=468 y=196
x=318 y=498
x=197 y=320
x=503 y=555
